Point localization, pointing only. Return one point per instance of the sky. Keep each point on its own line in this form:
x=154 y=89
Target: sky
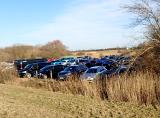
x=79 y=24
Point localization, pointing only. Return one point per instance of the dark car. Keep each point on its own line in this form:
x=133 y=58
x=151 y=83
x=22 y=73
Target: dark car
x=21 y=63
x=109 y=64
x=91 y=63
x=116 y=71
x=72 y=70
x=83 y=61
x=51 y=71
x=32 y=70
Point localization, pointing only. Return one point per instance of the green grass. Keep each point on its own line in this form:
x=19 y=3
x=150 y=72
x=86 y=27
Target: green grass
x=20 y=102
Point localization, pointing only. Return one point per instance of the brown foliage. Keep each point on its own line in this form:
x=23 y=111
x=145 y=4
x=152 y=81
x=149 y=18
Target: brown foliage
x=53 y=49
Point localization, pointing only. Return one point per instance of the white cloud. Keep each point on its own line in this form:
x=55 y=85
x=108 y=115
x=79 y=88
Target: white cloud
x=89 y=24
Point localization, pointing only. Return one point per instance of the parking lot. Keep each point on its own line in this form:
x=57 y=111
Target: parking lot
x=83 y=67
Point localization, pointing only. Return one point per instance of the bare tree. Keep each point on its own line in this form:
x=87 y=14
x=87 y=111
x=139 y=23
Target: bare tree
x=147 y=14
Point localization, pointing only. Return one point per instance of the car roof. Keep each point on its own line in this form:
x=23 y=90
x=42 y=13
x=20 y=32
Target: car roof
x=41 y=63
x=96 y=67
x=53 y=65
x=74 y=66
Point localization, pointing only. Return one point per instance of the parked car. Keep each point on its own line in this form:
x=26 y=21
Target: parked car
x=67 y=58
x=116 y=71
x=87 y=57
x=91 y=63
x=51 y=59
x=109 y=64
x=32 y=70
x=69 y=62
x=21 y=63
x=51 y=71
x=72 y=70
x=64 y=62
x=94 y=72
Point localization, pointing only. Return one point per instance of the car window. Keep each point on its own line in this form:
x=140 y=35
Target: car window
x=57 y=68
x=28 y=66
x=71 y=68
x=81 y=66
x=99 y=69
x=72 y=60
x=103 y=68
x=92 y=70
x=47 y=68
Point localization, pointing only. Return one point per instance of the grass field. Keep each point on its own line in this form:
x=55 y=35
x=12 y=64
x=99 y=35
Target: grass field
x=98 y=54
x=20 y=102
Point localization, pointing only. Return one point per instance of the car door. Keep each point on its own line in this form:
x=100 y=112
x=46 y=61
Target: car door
x=56 y=70
x=78 y=70
x=102 y=70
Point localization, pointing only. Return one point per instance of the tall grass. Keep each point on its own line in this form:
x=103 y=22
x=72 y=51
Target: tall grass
x=142 y=88
x=7 y=76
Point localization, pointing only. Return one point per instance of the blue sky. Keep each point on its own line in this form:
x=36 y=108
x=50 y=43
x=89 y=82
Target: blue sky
x=79 y=24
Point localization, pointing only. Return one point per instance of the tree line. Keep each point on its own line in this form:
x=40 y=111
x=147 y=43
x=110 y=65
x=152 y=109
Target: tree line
x=53 y=49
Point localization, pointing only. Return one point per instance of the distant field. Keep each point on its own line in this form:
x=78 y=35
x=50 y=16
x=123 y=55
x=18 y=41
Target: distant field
x=100 y=53
x=19 y=102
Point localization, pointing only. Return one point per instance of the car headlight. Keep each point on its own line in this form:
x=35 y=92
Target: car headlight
x=90 y=78
x=24 y=72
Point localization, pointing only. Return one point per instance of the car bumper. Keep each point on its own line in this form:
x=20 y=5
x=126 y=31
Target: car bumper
x=22 y=75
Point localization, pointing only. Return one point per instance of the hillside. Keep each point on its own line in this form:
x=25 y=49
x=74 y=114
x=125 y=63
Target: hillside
x=18 y=102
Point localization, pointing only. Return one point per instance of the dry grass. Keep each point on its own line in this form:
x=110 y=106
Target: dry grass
x=138 y=88
x=142 y=88
x=140 y=93
x=7 y=76
x=20 y=102
x=98 y=54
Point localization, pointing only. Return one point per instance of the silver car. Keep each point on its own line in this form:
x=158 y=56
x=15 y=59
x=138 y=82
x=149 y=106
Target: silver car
x=94 y=72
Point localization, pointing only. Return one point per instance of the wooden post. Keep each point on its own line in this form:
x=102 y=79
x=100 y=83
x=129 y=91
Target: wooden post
x=51 y=74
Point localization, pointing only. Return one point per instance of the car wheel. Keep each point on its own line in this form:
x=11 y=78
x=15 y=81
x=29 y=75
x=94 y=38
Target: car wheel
x=28 y=75
x=45 y=77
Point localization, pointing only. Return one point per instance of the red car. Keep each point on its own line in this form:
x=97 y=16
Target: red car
x=51 y=59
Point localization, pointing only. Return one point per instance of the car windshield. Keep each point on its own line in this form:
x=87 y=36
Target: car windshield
x=83 y=60
x=64 y=61
x=27 y=66
x=69 y=58
x=92 y=70
x=72 y=60
x=71 y=68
